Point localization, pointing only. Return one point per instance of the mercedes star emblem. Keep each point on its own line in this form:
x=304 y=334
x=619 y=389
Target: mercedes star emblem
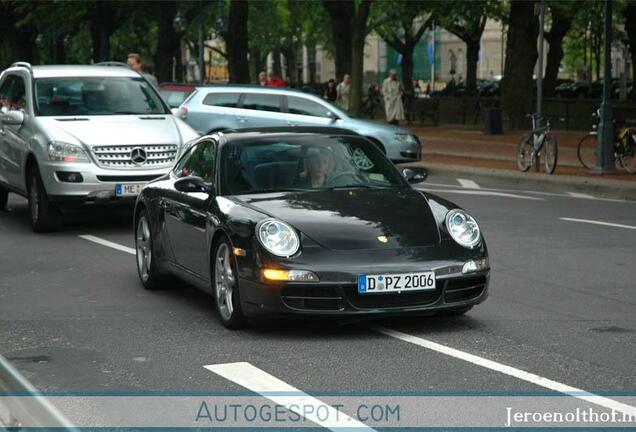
x=138 y=156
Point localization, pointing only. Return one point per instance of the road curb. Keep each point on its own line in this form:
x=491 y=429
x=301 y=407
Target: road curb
x=601 y=187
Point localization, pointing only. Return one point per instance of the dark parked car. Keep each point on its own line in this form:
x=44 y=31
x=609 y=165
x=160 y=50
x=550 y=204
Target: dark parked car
x=312 y=222
x=576 y=90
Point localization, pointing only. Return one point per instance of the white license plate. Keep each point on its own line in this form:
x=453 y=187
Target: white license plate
x=397 y=282
x=128 y=189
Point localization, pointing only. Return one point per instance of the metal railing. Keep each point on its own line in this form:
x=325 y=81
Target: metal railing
x=25 y=404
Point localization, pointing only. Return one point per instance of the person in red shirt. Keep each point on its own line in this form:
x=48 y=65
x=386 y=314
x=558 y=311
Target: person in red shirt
x=275 y=81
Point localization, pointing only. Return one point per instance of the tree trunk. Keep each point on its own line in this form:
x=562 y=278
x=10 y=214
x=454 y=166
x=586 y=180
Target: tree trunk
x=521 y=56
x=237 y=42
x=357 y=56
x=561 y=24
x=472 y=58
x=630 y=29
x=407 y=67
x=168 y=44
x=341 y=14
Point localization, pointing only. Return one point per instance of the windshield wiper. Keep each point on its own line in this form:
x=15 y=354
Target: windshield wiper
x=272 y=190
x=351 y=186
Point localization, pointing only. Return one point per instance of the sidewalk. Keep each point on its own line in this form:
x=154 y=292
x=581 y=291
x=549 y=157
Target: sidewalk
x=460 y=146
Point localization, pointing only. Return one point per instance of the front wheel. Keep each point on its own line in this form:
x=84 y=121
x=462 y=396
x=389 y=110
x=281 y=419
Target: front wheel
x=628 y=152
x=586 y=151
x=226 y=289
x=45 y=216
x=525 y=153
x=145 y=254
x=550 y=153
x=4 y=199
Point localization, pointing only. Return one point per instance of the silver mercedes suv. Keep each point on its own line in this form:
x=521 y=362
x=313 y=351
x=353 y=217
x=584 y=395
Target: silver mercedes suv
x=82 y=134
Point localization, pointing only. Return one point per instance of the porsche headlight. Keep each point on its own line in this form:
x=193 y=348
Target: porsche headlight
x=463 y=228
x=278 y=237
x=61 y=151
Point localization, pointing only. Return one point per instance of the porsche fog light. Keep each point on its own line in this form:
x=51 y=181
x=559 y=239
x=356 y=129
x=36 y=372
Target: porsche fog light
x=463 y=228
x=278 y=237
x=290 y=275
x=475 y=265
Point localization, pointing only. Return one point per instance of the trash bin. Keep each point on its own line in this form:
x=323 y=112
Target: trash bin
x=492 y=121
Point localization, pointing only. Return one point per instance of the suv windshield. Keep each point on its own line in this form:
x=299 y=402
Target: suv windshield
x=88 y=96
x=305 y=163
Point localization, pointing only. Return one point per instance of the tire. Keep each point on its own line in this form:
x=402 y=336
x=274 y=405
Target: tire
x=586 y=151
x=455 y=312
x=225 y=286
x=45 y=216
x=524 y=153
x=627 y=158
x=550 y=153
x=628 y=162
x=145 y=256
x=4 y=199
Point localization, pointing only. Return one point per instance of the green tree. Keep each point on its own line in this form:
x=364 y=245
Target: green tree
x=467 y=20
x=401 y=24
x=562 y=14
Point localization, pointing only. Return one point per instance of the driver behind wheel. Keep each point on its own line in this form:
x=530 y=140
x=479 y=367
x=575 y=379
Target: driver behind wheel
x=318 y=165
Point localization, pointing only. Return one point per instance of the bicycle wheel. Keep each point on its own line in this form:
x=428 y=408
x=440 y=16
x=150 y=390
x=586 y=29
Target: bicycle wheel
x=524 y=152
x=586 y=151
x=550 y=153
x=627 y=154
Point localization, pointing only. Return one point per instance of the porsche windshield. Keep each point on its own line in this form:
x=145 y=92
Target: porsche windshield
x=88 y=96
x=311 y=162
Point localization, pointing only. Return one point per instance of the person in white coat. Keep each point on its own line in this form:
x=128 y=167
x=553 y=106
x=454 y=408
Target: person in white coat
x=393 y=90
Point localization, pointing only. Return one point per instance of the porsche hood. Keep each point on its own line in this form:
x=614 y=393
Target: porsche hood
x=354 y=218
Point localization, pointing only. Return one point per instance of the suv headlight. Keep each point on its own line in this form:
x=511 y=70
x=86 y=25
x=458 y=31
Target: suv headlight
x=404 y=138
x=61 y=151
x=463 y=228
x=277 y=237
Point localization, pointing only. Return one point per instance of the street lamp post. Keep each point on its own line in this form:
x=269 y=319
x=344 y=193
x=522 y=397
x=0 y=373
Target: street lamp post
x=605 y=137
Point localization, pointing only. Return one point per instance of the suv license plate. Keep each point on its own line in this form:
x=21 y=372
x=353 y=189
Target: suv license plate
x=128 y=189
x=397 y=282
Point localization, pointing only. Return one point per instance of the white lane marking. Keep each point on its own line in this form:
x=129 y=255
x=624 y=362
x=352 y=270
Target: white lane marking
x=509 y=370
x=259 y=381
x=562 y=195
x=468 y=184
x=599 y=223
x=107 y=243
x=483 y=193
x=580 y=195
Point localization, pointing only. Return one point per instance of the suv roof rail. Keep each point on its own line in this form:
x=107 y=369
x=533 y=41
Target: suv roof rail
x=26 y=65
x=112 y=63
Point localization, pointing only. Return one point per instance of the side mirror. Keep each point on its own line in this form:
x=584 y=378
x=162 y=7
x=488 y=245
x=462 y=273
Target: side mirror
x=414 y=176
x=193 y=184
x=332 y=116
x=12 y=118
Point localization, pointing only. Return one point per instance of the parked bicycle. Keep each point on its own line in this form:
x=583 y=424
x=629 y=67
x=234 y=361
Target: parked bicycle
x=624 y=148
x=538 y=144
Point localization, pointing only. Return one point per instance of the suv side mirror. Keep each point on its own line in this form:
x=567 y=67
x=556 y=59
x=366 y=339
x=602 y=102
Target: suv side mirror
x=193 y=184
x=414 y=176
x=331 y=116
x=12 y=118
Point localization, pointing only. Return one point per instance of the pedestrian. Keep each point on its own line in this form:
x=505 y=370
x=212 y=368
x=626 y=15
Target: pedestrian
x=417 y=90
x=330 y=93
x=392 y=90
x=262 y=79
x=136 y=63
x=276 y=81
x=343 y=90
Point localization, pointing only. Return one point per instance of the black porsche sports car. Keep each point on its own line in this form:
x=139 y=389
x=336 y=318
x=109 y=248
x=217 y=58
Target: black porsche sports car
x=314 y=221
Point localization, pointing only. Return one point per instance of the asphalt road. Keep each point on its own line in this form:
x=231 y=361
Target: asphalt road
x=562 y=305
